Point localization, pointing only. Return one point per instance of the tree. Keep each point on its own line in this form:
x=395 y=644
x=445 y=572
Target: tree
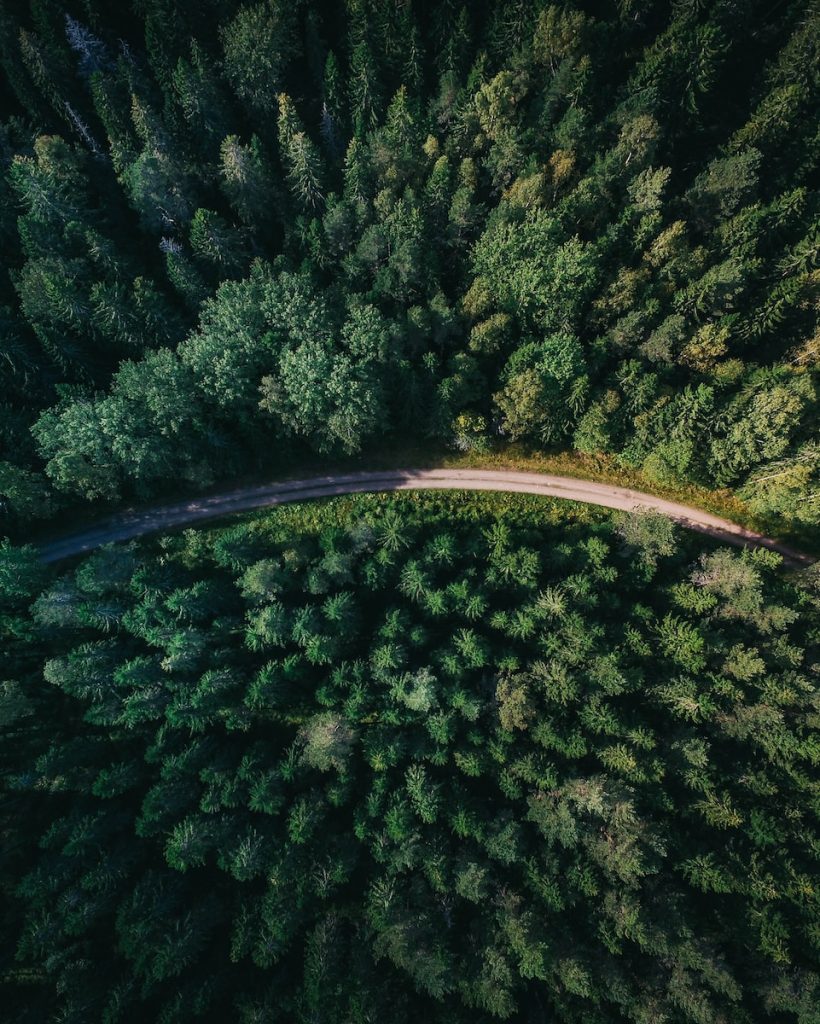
x=160 y=191
x=218 y=243
x=299 y=155
x=334 y=114
x=24 y=495
x=515 y=708
x=201 y=99
x=558 y=35
x=363 y=89
x=246 y=180
x=733 y=579
x=327 y=743
x=335 y=401
x=787 y=488
x=233 y=345
x=650 y=535
x=725 y=184
x=534 y=274
x=73 y=441
x=258 y=45
x=21 y=572
x=184 y=275
x=152 y=419
x=760 y=422
x=544 y=389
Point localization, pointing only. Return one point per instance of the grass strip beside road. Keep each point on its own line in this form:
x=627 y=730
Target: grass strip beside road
x=593 y=468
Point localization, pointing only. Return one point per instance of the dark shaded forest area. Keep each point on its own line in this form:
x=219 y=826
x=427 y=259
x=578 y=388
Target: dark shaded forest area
x=419 y=758
x=236 y=230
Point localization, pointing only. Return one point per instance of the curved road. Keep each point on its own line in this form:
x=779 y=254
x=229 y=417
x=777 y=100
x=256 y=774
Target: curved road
x=134 y=524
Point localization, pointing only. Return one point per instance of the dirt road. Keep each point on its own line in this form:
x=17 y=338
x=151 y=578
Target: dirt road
x=136 y=523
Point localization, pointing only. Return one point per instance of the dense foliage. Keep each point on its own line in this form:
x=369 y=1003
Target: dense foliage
x=234 y=228
x=449 y=759
x=412 y=759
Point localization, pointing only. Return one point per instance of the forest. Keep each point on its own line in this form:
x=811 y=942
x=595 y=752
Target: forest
x=413 y=758
x=446 y=757
x=235 y=232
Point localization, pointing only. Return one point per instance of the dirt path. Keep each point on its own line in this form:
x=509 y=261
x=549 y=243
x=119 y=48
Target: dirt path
x=135 y=524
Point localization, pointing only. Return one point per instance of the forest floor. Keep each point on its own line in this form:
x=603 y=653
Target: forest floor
x=461 y=476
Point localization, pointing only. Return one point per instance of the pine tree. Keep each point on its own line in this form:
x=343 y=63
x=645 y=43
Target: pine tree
x=258 y=45
x=247 y=181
